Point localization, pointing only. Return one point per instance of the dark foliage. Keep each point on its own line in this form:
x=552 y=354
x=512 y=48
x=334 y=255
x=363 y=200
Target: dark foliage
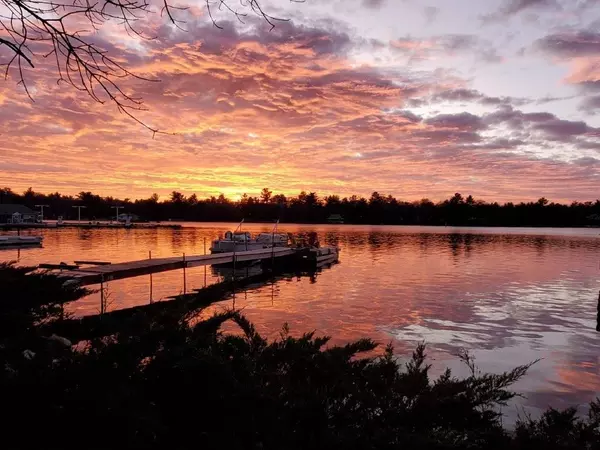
x=172 y=384
x=309 y=208
x=29 y=300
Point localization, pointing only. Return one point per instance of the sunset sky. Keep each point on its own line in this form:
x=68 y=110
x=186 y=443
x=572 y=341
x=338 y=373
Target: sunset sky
x=414 y=98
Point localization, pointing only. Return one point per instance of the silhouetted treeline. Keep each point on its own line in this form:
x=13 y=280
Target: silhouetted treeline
x=310 y=208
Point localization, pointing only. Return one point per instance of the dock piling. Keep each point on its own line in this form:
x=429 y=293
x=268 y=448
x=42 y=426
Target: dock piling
x=204 y=266
x=102 y=306
x=184 y=280
x=150 y=257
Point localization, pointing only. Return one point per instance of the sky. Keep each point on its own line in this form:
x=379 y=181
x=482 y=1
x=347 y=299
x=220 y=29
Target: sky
x=414 y=98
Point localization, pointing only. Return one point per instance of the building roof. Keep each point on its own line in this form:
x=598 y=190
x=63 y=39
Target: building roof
x=11 y=209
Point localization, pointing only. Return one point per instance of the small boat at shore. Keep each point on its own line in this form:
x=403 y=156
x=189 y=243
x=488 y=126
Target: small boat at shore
x=321 y=255
x=18 y=241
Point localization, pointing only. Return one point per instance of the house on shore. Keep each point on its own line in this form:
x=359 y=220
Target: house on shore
x=124 y=217
x=10 y=214
x=335 y=218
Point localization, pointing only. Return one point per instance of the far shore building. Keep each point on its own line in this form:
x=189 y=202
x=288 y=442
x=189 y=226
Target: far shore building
x=12 y=214
x=124 y=217
x=335 y=218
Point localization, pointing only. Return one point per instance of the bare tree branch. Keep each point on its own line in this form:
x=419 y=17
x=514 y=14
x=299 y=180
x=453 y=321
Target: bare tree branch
x=33 y=29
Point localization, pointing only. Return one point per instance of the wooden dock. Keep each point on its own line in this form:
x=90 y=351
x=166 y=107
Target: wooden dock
x=101 y=273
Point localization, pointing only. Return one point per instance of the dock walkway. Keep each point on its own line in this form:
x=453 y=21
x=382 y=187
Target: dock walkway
x=96 y=274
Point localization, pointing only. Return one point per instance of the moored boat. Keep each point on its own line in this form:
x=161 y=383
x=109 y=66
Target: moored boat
x=321 y=255
x=239 y=241
x=14 y=241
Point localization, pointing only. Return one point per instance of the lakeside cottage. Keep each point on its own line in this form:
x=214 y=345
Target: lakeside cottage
x=335 y=218
x=10 y=214
x=124 y=217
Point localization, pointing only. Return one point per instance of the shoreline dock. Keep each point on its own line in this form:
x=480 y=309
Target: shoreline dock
x=85 y=273
x=97 y=273
x=88 y=225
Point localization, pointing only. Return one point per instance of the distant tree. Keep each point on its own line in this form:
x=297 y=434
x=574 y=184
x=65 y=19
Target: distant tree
x=312 y=199
x=29 y=194
x=265 y=195
x=375 y=198
x=457 y=199
x=192 y=200
x=332 y=200
x=7 y=195
x=542 y=201
x=177 y=197
x=279 y=199
x=302 y=197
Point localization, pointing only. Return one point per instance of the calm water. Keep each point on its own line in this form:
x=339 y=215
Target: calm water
x=510 y=296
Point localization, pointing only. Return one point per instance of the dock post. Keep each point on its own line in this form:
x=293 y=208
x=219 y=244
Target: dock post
x=101 y=294
x=184 y=280
x=233 y=260
x=204 y=264
x=273 y=251
x=150 y=257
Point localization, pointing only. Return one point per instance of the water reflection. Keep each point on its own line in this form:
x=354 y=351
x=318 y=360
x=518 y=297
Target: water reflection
x=509 y=296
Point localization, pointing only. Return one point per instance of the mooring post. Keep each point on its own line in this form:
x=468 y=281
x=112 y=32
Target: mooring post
x=234 y=259
x=101 y=294
x=150 y=257
x=184 y=280
x=205 y=264
x=273 y=246
x=273 y=250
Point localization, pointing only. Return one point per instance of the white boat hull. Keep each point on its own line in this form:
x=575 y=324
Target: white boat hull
x=228 y=246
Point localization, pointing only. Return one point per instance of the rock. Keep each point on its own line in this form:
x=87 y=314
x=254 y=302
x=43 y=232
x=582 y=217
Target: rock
x=61 y=340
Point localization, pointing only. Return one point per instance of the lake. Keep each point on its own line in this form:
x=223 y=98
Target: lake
x=509 y=296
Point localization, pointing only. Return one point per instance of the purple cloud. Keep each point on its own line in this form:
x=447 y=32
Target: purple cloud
x=569 y=45
x=447 y=44
x=563 y=128
x=553 y=128
x=463 y=121
x=590 y=104
x=430 y=13
x=373 y=4
x=513 y=7
x=474 y=96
